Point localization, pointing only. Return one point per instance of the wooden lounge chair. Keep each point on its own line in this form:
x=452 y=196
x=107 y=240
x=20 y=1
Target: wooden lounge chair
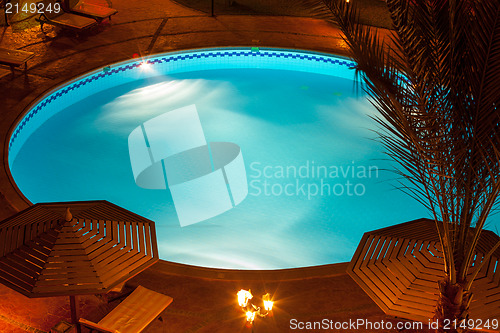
x=96 y=12
x=15 y=58
x=132 y=315
x=68 y=21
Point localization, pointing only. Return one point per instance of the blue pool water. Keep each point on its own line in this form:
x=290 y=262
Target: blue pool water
x=316 y=179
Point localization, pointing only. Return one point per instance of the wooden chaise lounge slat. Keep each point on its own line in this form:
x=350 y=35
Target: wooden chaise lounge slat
x=69 y=20
x=94 y=11
x=134 y=314
x=15 y=58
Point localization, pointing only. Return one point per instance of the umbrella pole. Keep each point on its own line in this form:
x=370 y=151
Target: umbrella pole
x=74 y=316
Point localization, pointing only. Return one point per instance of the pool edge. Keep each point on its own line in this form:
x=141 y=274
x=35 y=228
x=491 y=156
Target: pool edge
x=18 y=201
x=299 y=273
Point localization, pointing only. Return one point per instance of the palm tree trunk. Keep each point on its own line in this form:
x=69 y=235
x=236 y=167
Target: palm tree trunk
x=453 y=307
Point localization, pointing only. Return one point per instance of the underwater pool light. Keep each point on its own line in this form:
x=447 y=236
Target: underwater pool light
x=145 y=66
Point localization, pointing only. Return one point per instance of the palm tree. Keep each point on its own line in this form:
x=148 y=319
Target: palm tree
x=436 y=85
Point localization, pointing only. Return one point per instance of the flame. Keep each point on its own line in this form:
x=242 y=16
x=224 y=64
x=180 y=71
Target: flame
x=268 y=303
x=250 y=316
x=243 y=297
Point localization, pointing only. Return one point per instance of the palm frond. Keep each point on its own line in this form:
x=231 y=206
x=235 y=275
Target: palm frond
x=436 y=86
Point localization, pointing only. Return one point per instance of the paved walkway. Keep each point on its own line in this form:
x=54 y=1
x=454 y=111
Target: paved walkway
x=204 y=299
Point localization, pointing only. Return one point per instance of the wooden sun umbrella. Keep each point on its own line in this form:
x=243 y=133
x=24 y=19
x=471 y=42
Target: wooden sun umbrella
x=74 y=248
x=399 y=268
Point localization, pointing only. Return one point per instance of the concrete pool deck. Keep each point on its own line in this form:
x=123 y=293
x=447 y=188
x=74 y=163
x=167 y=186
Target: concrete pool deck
x=204 y=299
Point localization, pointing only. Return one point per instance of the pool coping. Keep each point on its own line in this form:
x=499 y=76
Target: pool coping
x=299 y=273
x=178 y=268
x=16 y=200
x=228 y=54
x=14 y=196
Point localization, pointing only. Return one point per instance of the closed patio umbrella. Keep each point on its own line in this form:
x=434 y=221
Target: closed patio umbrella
x=74 y=248
x=399 y=268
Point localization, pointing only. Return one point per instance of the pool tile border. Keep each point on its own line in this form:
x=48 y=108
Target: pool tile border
x=165 y=59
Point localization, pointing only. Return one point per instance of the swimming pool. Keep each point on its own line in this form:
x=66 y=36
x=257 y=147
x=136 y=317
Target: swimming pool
x=244 y=158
